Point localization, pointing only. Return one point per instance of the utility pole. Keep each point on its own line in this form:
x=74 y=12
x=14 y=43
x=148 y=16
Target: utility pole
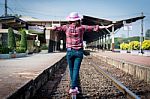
x=5 y=7
x=141 y=37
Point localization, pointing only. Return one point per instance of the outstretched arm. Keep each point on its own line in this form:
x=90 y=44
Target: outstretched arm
x=102 y=27
x=55 y=28
x=50 y=28
x=95 y=28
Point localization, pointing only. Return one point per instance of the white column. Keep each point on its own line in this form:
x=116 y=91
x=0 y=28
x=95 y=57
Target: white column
x=112 y=37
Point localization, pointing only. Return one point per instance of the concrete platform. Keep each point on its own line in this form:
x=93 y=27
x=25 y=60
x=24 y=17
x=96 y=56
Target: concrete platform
x=136 y=59
x=16 y=72
x=138 y=66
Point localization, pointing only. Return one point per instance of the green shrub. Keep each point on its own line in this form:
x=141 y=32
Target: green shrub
x=124 y=46
x=20 y=50
x=17 y=43
x=23 y=42
x=146 y=45
x=44 y=47
x=5 y=50
x=11 y=39
x=134 y=45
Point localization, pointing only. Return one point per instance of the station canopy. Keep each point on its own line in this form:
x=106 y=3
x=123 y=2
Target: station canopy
x=12 y=21
x=87 y=20
x=16 y=23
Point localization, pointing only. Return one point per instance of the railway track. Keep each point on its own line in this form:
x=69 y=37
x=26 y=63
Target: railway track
x=126 y=92
x=137 y=86
x=94 y=83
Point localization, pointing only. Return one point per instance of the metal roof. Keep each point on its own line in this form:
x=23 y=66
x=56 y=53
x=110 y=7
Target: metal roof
x=87 y=20
x=12 y=21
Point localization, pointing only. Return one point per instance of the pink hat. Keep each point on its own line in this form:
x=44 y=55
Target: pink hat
x=73 y=16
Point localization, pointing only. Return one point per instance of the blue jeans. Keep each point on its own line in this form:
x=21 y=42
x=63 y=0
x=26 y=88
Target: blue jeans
x=74 y=59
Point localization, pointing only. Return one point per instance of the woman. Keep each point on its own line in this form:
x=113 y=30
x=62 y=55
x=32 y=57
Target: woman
x=74 y=44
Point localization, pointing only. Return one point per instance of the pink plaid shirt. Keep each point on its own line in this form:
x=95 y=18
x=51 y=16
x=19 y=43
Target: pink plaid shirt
x=74 y=35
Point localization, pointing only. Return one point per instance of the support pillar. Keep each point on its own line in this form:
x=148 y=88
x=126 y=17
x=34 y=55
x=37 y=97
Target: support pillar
x=96 y=44
x=99 y=43
x=105 y=46
x=112 y=37
x=92 y=45
x=55 y=42
x=141 y=36
x=58 y=45
x=109 y=42
x=102 y=42
x=64 y=45
x=51 y=43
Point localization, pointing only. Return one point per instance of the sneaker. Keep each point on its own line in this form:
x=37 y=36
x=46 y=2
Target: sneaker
x=76 y=90
x=71 y=91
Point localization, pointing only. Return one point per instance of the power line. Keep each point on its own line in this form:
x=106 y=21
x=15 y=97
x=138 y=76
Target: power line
x=34 y=12
x=31 y=11
x=11 y=10
x=24 y=10
x=20 y=8
x=39 y=11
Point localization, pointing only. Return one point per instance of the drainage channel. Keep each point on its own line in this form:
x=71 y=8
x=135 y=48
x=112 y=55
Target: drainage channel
x=57 y=86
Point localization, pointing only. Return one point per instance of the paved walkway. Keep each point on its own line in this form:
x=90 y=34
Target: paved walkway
x=14 y=73
x=141 y=60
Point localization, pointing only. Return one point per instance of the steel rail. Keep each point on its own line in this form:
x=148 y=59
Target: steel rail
x=128 y=93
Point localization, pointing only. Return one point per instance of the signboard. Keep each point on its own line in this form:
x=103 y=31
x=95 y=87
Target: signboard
x=127 y=26
x=36 y=29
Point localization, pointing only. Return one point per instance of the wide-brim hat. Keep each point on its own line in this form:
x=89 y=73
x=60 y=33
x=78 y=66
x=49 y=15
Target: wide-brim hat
x=73 y=16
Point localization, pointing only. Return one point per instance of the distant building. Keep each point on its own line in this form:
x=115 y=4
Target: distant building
x=16 y=24
x=50 y=38
x=33 y=27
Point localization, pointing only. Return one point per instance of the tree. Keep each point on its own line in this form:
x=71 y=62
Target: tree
x=11 y=39
x=147 y=34
x=23 y=42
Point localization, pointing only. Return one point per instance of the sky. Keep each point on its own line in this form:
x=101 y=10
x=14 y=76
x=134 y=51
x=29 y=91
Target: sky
x=113 y=10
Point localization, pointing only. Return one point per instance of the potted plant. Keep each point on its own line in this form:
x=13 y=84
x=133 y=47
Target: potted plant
x=124 y=47
x=146 y=47
x=134 y=46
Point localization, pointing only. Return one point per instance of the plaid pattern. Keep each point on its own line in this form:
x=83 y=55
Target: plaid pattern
x=74 y=35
